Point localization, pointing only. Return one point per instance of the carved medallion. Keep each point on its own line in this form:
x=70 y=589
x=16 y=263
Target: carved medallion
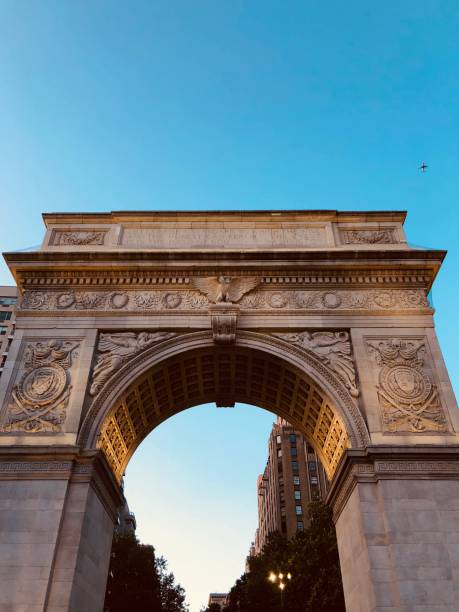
x=408 y=397
x=40 y=398
x=172 y=300
x=278 y=299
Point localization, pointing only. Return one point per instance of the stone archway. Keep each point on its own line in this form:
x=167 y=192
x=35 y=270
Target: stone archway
x=319 y=316
x=258 y=369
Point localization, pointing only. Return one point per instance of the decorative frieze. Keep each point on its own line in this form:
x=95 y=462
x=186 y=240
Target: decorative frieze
x=114 y=350
x=78 y=238
x=408 y=396
x=333 y=349
x=40 y=397
x=166 y=300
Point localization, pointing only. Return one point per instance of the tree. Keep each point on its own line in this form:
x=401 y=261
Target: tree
x=311 y=557
x=133 y=582
x=140 y=582
x=214 y=607
x=172 y=594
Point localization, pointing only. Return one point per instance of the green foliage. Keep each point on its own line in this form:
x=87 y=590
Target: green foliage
x=312 y=559
x=138 y=581
x=133 y=581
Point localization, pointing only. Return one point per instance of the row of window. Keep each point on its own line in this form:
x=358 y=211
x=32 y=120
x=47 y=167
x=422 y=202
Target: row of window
x=293 y=452
x=5 y=315
x=7 y=301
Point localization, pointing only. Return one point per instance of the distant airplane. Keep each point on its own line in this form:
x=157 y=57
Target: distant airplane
x=423 y=167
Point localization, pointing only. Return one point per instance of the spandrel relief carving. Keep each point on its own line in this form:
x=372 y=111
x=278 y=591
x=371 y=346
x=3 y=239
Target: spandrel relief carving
x=39 y=399
x=333 y=349
x=408 y=397
x=113 y=350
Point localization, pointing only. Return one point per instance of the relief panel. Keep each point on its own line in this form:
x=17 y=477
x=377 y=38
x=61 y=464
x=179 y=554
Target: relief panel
x=408 y=396
x=78 y=238
x=248 y=296
x=40 y=396
x=384 y=235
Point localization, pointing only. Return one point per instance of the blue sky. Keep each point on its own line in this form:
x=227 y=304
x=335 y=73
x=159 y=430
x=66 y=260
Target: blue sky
x=220 y=105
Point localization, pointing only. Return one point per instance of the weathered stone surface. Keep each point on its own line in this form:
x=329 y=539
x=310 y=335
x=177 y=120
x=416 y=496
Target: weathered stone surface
x=319 y=316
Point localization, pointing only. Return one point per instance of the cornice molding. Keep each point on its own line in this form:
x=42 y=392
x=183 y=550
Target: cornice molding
x=390 y=463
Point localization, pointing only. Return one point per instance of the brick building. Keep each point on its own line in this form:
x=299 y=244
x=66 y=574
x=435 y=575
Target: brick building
x=292 y=478
x=8 y=298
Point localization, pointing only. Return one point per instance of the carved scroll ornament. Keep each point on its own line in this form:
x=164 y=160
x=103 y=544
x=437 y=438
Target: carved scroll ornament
x=40 y=398
x=114 y=350
x=333 y=349
x=408 y=397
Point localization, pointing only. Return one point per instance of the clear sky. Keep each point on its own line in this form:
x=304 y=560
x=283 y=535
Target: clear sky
x=220 y=105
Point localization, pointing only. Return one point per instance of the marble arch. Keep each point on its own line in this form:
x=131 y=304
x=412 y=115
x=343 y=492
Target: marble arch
x=124 y=318
x=285 y=379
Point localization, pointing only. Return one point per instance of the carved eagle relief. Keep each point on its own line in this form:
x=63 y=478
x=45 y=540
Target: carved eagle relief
x=225 y=288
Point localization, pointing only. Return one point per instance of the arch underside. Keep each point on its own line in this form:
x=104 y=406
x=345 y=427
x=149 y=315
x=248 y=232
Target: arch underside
x=223 y=375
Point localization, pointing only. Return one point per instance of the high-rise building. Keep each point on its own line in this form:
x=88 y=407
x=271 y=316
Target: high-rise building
x=8 y=298
x=218 y=598
x=292 y=478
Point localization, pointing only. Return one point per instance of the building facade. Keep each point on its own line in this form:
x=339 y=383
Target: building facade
x=220 y=599
x=8 y=298
x=292 y=478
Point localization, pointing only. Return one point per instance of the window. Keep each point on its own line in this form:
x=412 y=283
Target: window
x=297 y=494
x=279 y=452
x=300 y=526
x=298 y=510
x=293 y=451
x=312 y=466
x=2 y=330
x=7 y=301
x=296 y=480
x=314 y=480
x=292 y=438
x=278 y=439
x=5 y=316
x=310 y=449
x=295 y=466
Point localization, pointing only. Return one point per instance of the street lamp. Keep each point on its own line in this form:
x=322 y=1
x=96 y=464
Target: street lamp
x=279 y=579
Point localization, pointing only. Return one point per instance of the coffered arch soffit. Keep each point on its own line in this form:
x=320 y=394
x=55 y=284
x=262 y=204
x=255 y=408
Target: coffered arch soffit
x=189 y=369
